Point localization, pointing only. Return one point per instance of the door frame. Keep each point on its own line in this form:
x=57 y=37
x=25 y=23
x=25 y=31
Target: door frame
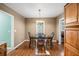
x=12 y=28
x=59 y=31
x=39 y=21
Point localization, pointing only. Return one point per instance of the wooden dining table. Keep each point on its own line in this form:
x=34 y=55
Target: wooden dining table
x=45 y=38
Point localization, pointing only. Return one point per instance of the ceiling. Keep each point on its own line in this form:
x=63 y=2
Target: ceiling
x=30 y=10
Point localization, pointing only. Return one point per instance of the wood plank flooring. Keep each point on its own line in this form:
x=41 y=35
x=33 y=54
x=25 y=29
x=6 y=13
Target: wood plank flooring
x=24 y=50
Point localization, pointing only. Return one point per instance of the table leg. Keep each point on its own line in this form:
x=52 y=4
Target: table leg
x=45 y=44
x=36 y=48
x=46 y=50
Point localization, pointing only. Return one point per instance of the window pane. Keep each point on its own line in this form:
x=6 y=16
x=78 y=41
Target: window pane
x=40 y=27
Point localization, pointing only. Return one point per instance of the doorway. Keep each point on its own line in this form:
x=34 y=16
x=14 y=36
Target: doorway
x=61 y=31
x=7 y=29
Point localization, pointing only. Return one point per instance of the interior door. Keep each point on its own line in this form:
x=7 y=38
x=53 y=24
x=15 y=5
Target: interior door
x=5 y=28
x=71 y=37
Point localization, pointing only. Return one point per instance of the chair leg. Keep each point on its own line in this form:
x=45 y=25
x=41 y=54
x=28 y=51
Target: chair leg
x=51 y=45
x=29 y=44
x=45 y=44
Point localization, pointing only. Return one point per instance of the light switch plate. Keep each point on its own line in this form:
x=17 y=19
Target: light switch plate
x=15 y=30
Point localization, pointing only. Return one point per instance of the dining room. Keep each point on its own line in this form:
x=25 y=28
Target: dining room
x=39 y=29
x=34 y=29
x=40 y=40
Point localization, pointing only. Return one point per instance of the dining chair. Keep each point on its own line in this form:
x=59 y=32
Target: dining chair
x=30 y=39
x=51 y=38
x=41 y=40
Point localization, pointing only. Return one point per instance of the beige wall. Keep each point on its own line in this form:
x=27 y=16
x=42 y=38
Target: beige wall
x=50 y=25
x=19 y=24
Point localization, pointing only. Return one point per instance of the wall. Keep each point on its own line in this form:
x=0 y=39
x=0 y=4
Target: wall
x=50 y=25
x=19 y=24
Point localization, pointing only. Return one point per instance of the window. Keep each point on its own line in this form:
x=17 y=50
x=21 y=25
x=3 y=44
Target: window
x=40 y=27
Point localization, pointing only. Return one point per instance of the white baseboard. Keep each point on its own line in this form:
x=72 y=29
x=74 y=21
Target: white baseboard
x=9 y=50
x=27 y=40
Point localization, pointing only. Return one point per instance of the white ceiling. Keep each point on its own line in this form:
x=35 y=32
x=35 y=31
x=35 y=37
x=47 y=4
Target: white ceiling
x=30 y=10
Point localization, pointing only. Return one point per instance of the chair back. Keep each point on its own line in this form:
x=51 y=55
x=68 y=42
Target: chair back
x=52 y=35
x=29 y=35
x=40 y=39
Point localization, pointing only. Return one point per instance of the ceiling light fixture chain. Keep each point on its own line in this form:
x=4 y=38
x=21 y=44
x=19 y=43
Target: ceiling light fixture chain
x=39 y=10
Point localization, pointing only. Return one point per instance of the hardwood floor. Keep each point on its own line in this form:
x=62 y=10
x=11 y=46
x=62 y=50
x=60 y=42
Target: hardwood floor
x=24 y=50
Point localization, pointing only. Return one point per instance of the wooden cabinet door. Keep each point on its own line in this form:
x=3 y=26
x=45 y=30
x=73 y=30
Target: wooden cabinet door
x=78 y=13
x=71 y=37
x=78 y=41
x=71 y=13
x=70 y=51
x=71 y=47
